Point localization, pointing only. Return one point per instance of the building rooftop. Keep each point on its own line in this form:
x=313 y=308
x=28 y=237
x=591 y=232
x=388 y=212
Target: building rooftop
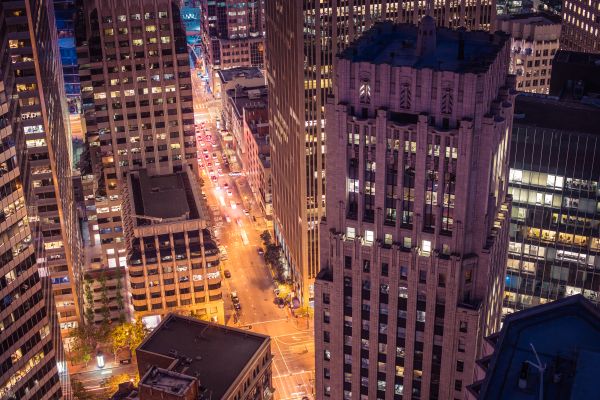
x=533 y=18
x=566 y=338
x=227 y=75
x=553 y=113
x=575 y=75
x=170 y=382
x=215 y=354
x=440 y=49
x=248 y=97
x=163 y=196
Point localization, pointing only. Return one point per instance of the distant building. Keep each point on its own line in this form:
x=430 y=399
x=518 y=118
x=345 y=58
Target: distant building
x=554 y=248
x=581 y=25
x=257 y=161
x=172 y=257
x=237 y=77
x=534 y=42
x=413 y=249
x=185 y=357
x=563 y=336
x=233 y=35
x=137 y=101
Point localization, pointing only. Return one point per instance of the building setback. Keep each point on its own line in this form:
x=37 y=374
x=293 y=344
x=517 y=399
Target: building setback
x=413 y=249
x=43 y=141
x=137 y=99
x=302 y=41
x=172 y=257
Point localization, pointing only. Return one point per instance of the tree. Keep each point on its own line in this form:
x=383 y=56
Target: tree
x=89 y=302
x=266 y=237
x=84 y=343
x=128 y=335
x=119 y=297
x=104 y=300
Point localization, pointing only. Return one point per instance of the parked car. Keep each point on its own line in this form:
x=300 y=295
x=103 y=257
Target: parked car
x=124 y=356
x=260 y=251
x=227 y=274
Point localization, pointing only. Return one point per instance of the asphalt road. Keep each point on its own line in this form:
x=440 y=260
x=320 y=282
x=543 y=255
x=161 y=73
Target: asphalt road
x=292 y=339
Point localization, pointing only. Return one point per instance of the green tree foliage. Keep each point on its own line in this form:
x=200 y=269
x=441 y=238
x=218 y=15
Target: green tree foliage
x=129 y=335
x=266 y=237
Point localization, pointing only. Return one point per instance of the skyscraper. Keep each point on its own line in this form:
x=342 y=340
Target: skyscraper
x=581 y=26
x=44 y=142
x=302 y=40
x=30 y=341
x=137 y=99
x=233 y=34
x=554 y=248
x=413 y=249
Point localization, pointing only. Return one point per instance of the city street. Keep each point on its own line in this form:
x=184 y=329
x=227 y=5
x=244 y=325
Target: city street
x=92 y=377
x=238 y=225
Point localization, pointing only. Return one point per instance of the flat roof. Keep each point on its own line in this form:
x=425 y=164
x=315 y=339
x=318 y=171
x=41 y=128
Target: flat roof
x=163 y=196
x=230 y=74
x=396 y=45
x=566 y=337
x=217 y=354
x=553 y=113
x=167 y=381
x=533 y=18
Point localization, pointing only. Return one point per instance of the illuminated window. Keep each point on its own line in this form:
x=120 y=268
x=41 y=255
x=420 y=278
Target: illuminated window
x=426 y=247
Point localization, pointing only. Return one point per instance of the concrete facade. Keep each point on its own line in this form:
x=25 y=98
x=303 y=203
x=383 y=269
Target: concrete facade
x=233 y=35
x=137 y=99
x=413 y=249
x=535 y=41
x=172 y=257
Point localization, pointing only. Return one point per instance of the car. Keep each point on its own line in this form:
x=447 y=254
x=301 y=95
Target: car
x=206 y=157
x=220 y=172
x=227 y=274
x=260 y=251
x=124 y=356
x=246 y=212
x=200 y=164
x=215 y=145
x=213 y=178
x=237 y=306
x=217 y=162
x=214 y=155
x=209 y=164
x=226 y=185
x=229 y=193
x=205 y=151
x=208 y=137
x=234 y=297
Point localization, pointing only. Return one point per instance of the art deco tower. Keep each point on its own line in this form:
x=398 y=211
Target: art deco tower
x=303 y=38
x=414 y=246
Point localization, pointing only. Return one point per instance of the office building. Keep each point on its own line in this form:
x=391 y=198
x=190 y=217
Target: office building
x=533 y=46
x=233 y=35
x=581 y=26
x=257 y=162
x=554 y=248
x=172 y=257
x=302 y=41
x=550 y=351
x=413 y=249
x=30 y=341
x=45 y=156
x=137 y=96
x=216 y=361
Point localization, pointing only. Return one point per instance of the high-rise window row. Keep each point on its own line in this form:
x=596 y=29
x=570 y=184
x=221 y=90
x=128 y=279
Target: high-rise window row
x=303 y=38
x=413 y=249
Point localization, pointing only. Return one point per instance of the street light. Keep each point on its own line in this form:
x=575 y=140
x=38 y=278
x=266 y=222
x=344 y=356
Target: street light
x=100 y=359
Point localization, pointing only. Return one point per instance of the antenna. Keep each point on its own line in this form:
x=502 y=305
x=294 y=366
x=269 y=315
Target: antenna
x=541 y=368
